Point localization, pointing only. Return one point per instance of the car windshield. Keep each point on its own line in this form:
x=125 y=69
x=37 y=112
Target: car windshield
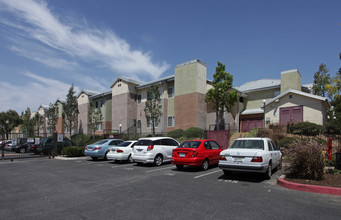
x=190 y=144
x=248 y=144
x=124 y=144
x=100 y=142
x=144 y=143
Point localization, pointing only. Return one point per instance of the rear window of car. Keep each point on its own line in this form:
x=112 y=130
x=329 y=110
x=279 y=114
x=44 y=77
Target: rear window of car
x=190 y=144
x=144 y=143
x=100 y=142
x=248 y=144
x=124 y=144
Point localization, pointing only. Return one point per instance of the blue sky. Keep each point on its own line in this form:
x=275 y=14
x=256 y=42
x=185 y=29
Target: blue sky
x=46 y=45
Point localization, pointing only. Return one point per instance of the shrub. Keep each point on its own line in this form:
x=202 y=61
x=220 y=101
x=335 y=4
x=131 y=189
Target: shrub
x=74 y=151
x=194 y=132
x=175 y=133
x=285 y=143
x=306 y=128
x=275 y=136
x=306 y=160
x=253 y=133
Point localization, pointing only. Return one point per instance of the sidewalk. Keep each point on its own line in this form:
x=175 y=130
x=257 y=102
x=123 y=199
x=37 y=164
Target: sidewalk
x=308 y=188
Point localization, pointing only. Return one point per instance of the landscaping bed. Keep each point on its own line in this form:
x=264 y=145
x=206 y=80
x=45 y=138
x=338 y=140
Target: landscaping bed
x=330 y=180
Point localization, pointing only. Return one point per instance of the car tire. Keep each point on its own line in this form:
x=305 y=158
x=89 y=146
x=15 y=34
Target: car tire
x=179 y=167
x=158 y=160
x=94 y=158
x=130 y=159
x=268 y=172
x=105 y=156
x=204 y=165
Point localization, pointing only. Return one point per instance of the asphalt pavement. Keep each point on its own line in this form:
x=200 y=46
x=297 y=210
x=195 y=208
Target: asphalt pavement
x=42 y=188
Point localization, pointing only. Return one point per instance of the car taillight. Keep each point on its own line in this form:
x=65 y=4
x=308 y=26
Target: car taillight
x=119 y=151
x=97 y=148
x=222 y=157
x=86 y=148
x=257 y=159
x=195 y=153
x=150 y=147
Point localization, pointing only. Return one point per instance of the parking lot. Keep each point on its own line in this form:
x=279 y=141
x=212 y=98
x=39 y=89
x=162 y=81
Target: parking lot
x=41 y=188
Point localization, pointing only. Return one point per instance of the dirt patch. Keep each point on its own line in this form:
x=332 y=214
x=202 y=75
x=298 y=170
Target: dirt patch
x=331 y=180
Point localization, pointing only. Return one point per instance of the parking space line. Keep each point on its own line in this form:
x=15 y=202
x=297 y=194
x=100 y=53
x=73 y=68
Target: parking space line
x=149 y=171
x=207 y=174
x=118 y=165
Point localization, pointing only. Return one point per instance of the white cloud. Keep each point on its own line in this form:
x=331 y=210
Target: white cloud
x=103 y=46
x=38 y=90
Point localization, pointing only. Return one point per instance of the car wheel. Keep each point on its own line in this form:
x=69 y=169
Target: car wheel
x=179 y=167
x=204 y=165
x=94 y=158
x=268 y=172
x=130 y=159
x=158 y=160
x=105 y=156
x=22 y=150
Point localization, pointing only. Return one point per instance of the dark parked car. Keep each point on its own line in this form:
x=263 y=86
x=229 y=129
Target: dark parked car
x=46 y=145
x=22 y=148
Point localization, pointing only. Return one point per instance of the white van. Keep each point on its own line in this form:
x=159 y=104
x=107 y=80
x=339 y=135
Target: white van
x=154 y=150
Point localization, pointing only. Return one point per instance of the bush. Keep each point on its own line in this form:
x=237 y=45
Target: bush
x=74 y=151
x=275 y=136
x=285 y=143
x=306 y=128
x=306 y=160
x=176 y=133
x=253 y=133
x=194 y=132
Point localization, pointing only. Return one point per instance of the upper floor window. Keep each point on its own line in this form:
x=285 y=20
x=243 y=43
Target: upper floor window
x=171 y=121
x=99 y=104
x=99 y=126
x=170 y=92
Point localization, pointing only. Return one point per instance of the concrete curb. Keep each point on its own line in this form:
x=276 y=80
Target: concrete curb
x=308 y=188
x=70 y=158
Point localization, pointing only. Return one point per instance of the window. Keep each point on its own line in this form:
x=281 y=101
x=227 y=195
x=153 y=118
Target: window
x=270 y=146
x=171 y=121
x=276 y=93
x=207 y=145
x=138 y=99
x=99 y=104
x=149 y=124
x=214 y=145
x=99 y=126
x=170 y=92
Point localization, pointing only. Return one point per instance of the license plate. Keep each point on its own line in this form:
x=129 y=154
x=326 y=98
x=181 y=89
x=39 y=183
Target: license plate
x=238 y=159
x=182 y=154
x=113 y=150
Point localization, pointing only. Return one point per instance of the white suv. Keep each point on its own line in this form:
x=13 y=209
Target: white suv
x=154 y=150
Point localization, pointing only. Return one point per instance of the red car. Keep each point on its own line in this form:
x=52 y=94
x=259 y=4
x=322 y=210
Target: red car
x=201 y=153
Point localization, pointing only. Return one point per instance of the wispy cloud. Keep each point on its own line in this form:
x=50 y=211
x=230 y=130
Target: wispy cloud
x=103 y=46
x=38 y=90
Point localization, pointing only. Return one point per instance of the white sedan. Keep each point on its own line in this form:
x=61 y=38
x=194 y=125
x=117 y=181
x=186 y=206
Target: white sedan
x=122 y=151
x=258 y=155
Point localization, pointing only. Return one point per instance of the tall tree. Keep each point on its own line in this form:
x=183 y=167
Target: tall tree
x=52 y=117
x=222 y=94
x=153 y=107
x=71 y=111
x=8 y=121
x=321 y=80
x=27 y=124
x=37 y=121
x=94 y=117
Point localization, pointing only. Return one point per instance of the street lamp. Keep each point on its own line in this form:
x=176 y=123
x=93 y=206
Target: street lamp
x=264 y=101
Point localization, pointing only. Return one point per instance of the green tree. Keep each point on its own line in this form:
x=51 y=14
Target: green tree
x=94 y=117
x=71 y=111
x=37 y=121
x=321 y=80
x=222 y=94
x=8 y=121
x=27 y=123
x=153 y=107
x=52 y=117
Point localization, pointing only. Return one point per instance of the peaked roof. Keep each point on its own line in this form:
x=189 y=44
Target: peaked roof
x=259 y=85
x=127 y=79
x=88 y=92
x=298 y=93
